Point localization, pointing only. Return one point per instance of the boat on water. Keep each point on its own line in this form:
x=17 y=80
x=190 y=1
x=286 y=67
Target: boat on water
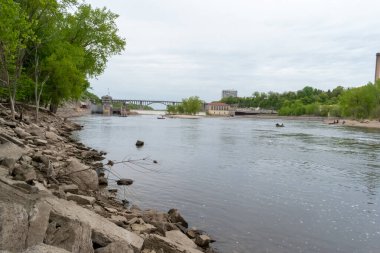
x=161 y=117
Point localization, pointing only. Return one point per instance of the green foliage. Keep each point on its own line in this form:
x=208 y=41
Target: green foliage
x=57 y=44
x=15 y=34
x=361 y=102
x=191 y=105
x=87 y=95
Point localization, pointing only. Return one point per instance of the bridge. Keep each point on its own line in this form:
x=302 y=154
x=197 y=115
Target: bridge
x=145 y=102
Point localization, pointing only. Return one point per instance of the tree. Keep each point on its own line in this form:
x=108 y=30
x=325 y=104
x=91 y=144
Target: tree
x=95 y=31
x=172 y=109
x=192 y=105
x=359 y=102
x=15 y=34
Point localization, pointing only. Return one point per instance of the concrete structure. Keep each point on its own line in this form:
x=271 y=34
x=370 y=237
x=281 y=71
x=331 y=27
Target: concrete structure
x=377 y=69
x=107 y=105
x=221 y=109
x=229 y=93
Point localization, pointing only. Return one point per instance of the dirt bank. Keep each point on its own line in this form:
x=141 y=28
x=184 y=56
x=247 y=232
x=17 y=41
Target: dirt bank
x=54 y=197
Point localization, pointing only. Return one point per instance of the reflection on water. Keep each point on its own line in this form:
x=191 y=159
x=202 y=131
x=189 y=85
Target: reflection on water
x=307 y=187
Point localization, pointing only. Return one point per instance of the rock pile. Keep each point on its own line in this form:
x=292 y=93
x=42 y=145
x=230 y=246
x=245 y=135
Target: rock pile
x=53 y=200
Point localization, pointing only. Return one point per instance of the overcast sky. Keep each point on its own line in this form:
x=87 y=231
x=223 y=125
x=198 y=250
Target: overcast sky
x=181 y=48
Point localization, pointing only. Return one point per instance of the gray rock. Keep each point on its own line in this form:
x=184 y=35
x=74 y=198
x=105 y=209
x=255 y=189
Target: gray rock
x=143 y=228
x=176 y=217
x=203 y=241
x=139 y=143
x=38 y=223
x=71 y=188
x=82 y=175
x=52 y=136
x=103 y=231
x=26 y=159
x=40 y=142
x=80 y=199
x=8 y=162
x=43 y=248
x=134 y=220
x=154 y=216
x=35 y=130
x=116 y=247
x=69 y=234
x=103 y=181
x=24 y=173
x=124 y=181
x=118 y=220
x=21 y=133
x=192 y=233
x=41 y=159
x=110 y=209
x=10 y=124
x=92 y=155
x=180 y=238
x=13 y=226
x=159 y=243
x=10 y=150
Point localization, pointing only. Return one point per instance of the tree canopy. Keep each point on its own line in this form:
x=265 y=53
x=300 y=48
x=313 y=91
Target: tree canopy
x=191 y=105
x=50 y=48
x=360 y=102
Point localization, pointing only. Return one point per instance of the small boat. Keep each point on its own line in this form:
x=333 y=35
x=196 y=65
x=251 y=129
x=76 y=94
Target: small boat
x=280 y=125
x=161 y=117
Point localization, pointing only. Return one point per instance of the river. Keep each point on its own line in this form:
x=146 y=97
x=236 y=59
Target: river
x=306 y=187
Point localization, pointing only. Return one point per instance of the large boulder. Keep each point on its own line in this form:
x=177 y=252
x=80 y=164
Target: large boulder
x=116 y=247
x=13 y=226
x=203 y=241
x=23 y=217
x=43 y=248
x=38 y=223
x=82 y=175
x=176 y=217
x=180 y=238
x=103 y=231
x=11 y=150
x=159 y=243
x=69 y=234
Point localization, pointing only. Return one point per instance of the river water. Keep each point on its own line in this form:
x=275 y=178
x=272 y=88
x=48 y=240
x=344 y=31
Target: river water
x=307 y=187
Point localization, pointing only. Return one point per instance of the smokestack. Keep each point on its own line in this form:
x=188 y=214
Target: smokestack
x=377 y=70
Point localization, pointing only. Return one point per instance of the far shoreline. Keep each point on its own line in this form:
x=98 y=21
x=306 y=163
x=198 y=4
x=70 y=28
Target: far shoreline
x=374 y=124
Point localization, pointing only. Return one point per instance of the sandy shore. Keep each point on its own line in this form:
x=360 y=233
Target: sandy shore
x=355 y=123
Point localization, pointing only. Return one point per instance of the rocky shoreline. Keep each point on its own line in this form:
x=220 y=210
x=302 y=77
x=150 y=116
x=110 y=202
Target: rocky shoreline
x=54 y=197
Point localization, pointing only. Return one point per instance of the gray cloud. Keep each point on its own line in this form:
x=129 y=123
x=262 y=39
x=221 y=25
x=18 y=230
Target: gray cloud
x=177 y=49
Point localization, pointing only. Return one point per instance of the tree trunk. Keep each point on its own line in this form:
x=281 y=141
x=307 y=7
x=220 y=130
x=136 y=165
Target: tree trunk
x=13 y=112
x=53 y=108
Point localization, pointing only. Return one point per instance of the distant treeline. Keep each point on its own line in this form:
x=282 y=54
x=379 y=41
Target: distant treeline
x=49 y=49
x=360 y=102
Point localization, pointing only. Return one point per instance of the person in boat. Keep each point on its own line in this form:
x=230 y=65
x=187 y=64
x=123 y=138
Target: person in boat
x=279 y=125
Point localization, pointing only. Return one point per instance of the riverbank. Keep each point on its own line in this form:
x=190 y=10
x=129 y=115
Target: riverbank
x=54 y=197
x=354 y=123
x=331 y=121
